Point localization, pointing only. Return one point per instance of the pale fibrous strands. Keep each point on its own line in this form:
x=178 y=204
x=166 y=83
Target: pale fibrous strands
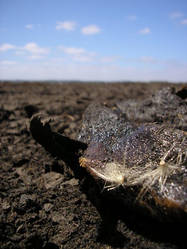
x=152 y=173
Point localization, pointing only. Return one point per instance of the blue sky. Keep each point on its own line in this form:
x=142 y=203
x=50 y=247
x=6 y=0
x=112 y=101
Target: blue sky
x=106 y=40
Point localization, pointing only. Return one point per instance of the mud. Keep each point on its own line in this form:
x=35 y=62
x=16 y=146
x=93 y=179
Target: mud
x=46 y=204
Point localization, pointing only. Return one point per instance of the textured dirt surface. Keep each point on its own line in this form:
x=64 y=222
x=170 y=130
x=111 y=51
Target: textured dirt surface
x=44 y=203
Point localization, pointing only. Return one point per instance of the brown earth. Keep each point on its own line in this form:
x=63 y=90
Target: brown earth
x=43 y=203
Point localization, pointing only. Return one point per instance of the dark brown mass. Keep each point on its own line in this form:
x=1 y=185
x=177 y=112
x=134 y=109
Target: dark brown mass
x=149 y=156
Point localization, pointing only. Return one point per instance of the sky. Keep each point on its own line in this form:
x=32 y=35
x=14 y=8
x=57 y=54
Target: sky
x=105 y=40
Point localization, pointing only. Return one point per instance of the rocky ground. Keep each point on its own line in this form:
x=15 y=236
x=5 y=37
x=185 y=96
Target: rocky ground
x=45 y=204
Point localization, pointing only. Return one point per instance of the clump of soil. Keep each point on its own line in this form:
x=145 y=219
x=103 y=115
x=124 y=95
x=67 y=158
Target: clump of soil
x=43 y=203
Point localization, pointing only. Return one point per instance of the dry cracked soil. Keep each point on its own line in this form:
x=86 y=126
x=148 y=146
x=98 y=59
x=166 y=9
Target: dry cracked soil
x=45 y=204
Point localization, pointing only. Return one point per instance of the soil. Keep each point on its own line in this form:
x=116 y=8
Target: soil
x=46 y=204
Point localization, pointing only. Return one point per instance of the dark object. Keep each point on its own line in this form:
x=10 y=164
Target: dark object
x=30 y=110
x=63 y=147
x=182 y=93
x=165 y=106
x=143 y=165
x=4 y=114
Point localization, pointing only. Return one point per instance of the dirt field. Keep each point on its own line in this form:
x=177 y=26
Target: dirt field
x=43 y=203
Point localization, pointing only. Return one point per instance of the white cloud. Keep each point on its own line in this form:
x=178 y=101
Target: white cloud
x=29 y=26
x=34 y=49
x=31 y=49
x=184 y=22
x=67 y=25
x=73 y=71
x=7 y=63
x=132 y=18
x=176 y=15
x=6 y=46
x=78 y=54
x=19 y=52
x=35 y=57
x=145 y=31
x=83 y=58
x=72 y=50
x=90 y=30
x=148 y=59
x=109 y=59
